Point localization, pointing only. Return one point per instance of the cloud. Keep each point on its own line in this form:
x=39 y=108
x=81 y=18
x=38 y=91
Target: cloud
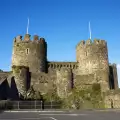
x=118 y=66
x=118 y=72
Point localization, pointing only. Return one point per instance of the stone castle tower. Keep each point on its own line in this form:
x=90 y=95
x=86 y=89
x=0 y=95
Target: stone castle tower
x=32 y=54
x=92 y=58
x=31 y=68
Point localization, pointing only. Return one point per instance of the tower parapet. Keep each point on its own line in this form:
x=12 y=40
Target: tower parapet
x=84 y=43
x=27 y=38
x=30 y=53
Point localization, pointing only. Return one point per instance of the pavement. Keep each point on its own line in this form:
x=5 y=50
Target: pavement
x=61 y=115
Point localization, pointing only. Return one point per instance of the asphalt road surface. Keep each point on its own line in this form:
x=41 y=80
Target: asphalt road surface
x=61 y=115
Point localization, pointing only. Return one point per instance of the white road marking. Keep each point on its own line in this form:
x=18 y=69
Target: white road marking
x=76 y=114
x=53 y=118
x=50 y=118
x=65 y=114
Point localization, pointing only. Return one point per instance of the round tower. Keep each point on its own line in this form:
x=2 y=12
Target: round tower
x=64 y=81
x=92 y=58
x=30 y=53
x=21 y=75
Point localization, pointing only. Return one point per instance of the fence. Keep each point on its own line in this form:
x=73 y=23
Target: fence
x=31 y=105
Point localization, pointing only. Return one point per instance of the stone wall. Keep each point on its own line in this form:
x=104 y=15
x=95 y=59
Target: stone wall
x=102 y=77
x=57 y=70
x=84 y=81
x=3 y=76
x=112 y=99
x=64 y=82
x=42 y=82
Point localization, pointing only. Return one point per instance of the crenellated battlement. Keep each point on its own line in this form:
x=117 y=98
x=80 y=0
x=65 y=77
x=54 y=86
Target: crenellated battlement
x=99 y=42
x=81 y=43
x=59 y=65
x=90 y=42
x=27 y=38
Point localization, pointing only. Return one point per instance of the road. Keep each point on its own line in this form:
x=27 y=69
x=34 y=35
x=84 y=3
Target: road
x=61 y=115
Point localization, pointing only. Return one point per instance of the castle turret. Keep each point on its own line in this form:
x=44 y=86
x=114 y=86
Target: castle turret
x=30 y=53
x=21 y=75
x=92 y=58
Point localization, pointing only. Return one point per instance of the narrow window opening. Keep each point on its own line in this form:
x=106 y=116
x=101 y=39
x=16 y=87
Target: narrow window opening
x=27 y=51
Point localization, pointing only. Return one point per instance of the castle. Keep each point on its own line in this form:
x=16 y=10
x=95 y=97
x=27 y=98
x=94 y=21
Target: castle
x=30 y=67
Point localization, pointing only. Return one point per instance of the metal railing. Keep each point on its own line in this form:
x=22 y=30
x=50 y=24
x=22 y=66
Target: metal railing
x=30 y=105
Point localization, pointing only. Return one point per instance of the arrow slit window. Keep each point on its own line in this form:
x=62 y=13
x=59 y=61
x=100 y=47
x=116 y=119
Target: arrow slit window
x=27 y=51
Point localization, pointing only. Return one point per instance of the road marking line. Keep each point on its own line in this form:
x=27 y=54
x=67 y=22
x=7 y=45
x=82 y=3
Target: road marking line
x=53 y=118
x=37 y=118
x=66 y=114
